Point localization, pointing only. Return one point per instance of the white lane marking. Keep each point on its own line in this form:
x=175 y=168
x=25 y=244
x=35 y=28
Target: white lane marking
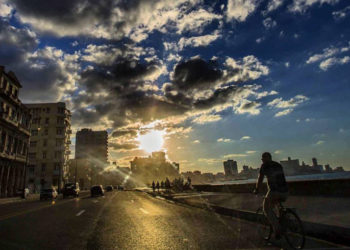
x=144 y=211
x=159 y=197
x=80 y=213
x=171 y=201
x=95 y=201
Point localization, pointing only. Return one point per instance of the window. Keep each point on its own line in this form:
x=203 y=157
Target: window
x=47 y=120
x=57 y=166
x=47 y=110
x=32 y=144
x=44 y=154
x=32 y=155
x=58 y=154
x=45 y=142
x=59 y=131
x=34 y=132
x=59 y=142
x=46 y=131
x=60 y=120
x=43 y=167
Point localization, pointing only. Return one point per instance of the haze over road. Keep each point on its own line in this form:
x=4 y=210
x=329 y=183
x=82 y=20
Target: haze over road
x=124 y=220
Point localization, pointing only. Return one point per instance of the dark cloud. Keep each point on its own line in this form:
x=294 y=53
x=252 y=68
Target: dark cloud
x=120 y=133
x=123 y=146
x=196 y=74
x=39 y=70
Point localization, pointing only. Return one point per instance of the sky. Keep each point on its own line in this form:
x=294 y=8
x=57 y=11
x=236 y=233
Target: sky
x=205 y=80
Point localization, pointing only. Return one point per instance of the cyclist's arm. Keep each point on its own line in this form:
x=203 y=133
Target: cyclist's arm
x=259 y=182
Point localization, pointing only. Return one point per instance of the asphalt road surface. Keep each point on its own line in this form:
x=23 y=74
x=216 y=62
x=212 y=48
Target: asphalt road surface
x=125 y=220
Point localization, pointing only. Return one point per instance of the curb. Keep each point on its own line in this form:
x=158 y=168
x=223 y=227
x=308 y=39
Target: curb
x=334 y=234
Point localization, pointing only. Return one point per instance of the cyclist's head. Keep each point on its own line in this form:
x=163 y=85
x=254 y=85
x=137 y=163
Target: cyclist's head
x=266 y=157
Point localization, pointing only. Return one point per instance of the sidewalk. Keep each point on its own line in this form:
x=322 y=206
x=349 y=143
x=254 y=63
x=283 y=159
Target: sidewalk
x=18 y=199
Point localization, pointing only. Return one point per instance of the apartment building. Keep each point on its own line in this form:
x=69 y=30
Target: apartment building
x=49 y=145
x=14 y=135
x=93 y=146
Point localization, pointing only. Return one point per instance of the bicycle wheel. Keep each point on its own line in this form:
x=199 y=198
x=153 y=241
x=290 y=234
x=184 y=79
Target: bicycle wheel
x=264 y=228
x=293 y=229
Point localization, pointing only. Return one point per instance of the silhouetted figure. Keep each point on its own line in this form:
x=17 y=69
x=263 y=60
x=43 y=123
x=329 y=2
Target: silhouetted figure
x=158 y=186
x=277 y=189
x=162 y=185
x=153 y=186
x=189 y=181
x=167 y=184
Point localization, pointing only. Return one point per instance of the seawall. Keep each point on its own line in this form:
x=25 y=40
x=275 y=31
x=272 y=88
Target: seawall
x=339 y=187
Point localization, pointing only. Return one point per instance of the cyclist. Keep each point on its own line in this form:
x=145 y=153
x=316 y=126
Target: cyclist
x=277 y=189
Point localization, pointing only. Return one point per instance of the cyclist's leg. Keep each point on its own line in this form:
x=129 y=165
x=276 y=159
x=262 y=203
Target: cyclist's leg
x=269 y=203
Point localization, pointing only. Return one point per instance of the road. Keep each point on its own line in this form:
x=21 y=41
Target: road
x=125 y=220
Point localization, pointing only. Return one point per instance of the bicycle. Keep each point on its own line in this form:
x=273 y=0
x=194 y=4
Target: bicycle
x=291 y=226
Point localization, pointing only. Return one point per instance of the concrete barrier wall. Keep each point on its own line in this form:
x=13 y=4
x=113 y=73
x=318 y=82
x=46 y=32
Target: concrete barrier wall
x=339 y=188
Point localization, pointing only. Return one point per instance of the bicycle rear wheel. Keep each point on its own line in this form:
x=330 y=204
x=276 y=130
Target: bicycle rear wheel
x=264 y=228
x=293 y=229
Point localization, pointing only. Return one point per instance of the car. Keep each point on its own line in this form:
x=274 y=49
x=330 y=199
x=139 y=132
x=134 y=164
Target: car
x=121 y=188
x=97 y=191
x=71 y=189
x=109 y=188
x=48 y=193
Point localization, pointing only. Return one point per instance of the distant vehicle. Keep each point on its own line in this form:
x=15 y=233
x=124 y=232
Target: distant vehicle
x=97 y=191
x=121 y=188
x=109 y=188
x=48 y=193
x=71 y=189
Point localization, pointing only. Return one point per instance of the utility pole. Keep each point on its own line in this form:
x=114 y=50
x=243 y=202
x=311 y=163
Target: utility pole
x=76 y=171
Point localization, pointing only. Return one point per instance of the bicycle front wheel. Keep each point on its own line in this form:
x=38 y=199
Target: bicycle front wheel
x=264 y=228
x=293 y=229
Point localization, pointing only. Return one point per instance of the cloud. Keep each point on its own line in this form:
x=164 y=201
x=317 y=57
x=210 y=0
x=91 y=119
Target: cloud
x=5 y=9
x=283 y=113
x=206 y=119
x=112 y=19
x=246 y=137
x=226 y=140
x=122 y=147
x=240 y=9
x=198 y=41
x=278 y=152
x=46 y=70
x=328 y=57
x=195 y=21
x=235 y=155
x=269 y=23
x=287 y=105
x=291 y=103
x=319 y=142
x=251 y=152
x=326 y=64
x=302 y=5
x=196 y=141
x=274 y=5
x=341 y=14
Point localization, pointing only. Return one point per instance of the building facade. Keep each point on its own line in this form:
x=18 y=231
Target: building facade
x=49 y=145
x=93 y=146
x=154 y=167
x=14 y=135
x=230 y=168
x=290 y=167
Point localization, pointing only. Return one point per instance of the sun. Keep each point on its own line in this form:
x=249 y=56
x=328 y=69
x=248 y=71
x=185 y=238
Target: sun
x=151 y=141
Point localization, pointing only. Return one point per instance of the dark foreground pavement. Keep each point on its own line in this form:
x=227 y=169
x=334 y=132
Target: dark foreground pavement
x=125 y=220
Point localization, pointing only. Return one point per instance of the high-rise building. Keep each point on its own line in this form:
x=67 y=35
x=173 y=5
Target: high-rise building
x=49 y=145
x=92 y=145
x=316 y=166
x=290 y=167
x=14 y=135
x=230 y=168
